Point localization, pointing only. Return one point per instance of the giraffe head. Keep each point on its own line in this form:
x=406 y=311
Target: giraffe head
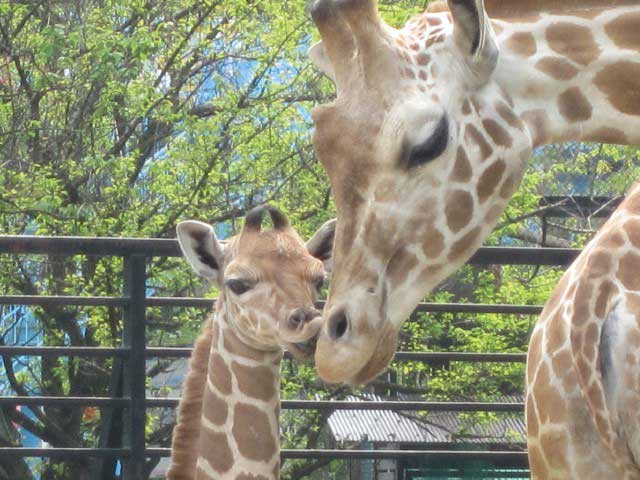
x=423 y=148
x=268 y=279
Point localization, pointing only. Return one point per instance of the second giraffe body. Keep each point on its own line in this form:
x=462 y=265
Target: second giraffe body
x=583 y=367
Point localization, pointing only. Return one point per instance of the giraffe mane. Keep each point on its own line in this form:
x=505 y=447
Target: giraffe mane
x=186 y=434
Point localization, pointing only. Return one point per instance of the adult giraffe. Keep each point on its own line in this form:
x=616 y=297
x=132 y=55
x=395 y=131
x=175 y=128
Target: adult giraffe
x=431 y=132
x=583 y=366
x=428 y=139
x=228 y=425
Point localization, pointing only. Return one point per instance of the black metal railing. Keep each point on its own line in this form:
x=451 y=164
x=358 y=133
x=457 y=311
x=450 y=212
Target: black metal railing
x=131 y=356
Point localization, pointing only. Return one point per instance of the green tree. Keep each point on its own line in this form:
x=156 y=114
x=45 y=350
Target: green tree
x=119 y=118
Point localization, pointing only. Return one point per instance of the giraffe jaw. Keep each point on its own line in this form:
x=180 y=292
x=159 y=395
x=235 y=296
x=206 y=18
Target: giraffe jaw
x=303 y=350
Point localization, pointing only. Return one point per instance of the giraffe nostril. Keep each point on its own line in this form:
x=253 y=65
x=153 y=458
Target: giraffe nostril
x=296 y=319
x=338 y=325
x=301 y=316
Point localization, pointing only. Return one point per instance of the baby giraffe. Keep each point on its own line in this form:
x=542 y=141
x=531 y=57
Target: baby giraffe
x=228 y=425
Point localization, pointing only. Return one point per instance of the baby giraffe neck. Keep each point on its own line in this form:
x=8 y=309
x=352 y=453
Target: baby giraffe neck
x=239 y=437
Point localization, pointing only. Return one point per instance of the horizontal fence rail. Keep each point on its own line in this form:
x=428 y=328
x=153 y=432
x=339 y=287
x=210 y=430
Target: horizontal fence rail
x=501 y=456
x=148 y=247
x=177 y=352
x=321 y=405
x=133 y=352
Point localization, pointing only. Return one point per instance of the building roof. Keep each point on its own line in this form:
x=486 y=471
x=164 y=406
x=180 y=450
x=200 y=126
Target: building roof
x=386 y=426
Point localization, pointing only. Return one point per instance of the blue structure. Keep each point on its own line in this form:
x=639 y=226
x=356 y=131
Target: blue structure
x=18 y=326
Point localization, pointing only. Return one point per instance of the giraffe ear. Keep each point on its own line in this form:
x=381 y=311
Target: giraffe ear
x=473 y=34
x=320 y=245
x=201 y=248
x=318 y=56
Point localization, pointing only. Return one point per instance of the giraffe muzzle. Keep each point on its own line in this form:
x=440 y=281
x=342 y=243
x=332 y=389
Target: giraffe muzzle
x=299 y=331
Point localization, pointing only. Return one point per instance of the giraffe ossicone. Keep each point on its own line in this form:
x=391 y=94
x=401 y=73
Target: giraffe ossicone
x=431 y=132
x=228 y=417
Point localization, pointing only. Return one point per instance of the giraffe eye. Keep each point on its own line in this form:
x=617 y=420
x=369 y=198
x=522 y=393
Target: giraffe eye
x=432 y=147
x=238 y=285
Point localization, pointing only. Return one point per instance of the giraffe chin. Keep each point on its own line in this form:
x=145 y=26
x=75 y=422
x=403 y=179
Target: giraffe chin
x=347 y=364
x=303 y=351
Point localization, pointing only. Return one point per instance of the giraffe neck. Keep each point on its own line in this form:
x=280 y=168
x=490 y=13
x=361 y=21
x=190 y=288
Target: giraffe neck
x=574 y=76
x=239 y=437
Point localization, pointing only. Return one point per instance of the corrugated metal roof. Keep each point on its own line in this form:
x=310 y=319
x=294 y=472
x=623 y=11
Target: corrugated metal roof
x=382 y=426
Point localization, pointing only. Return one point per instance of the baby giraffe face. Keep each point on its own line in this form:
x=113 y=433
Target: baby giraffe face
x=269 y=280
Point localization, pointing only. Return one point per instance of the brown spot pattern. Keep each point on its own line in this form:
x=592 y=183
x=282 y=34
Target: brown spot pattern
x=581 y=303
x=624 y=31
x=256 y=382
x=253 y=434
x=538 y=124
x=557 y=295
x=632 y=229
x=219 y=374
x=607 y=135
x=490 y=179
x=628 y=271
x=233 y=344
x=533 y=357
x=459 y=209
x=214 y=408
x=218 y=453
x=606 y=291
x=554 y=445
x=422 y=59
x=464 y=244
x=433 y=243
x=466 y=107
x=556 y=333
x=620 y=82
x=532 y=419
x=557 y=68
x=598 y=264
x=400 y=265
x=574 y=106
x=561 y=363
x=612 y=240
x=551 y=406
x=506 y=96
x=472 y=134
x=462 y=168
x=536 y=460
x=509 y=186
x=522 y=43
x=573 y=41
x=497 y=133
x=508 y=115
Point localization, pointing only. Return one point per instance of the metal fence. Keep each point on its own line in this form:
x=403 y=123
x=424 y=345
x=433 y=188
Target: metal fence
x=130 y=357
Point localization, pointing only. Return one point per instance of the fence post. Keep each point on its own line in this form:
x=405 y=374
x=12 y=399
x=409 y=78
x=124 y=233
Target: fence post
x=134 y=337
